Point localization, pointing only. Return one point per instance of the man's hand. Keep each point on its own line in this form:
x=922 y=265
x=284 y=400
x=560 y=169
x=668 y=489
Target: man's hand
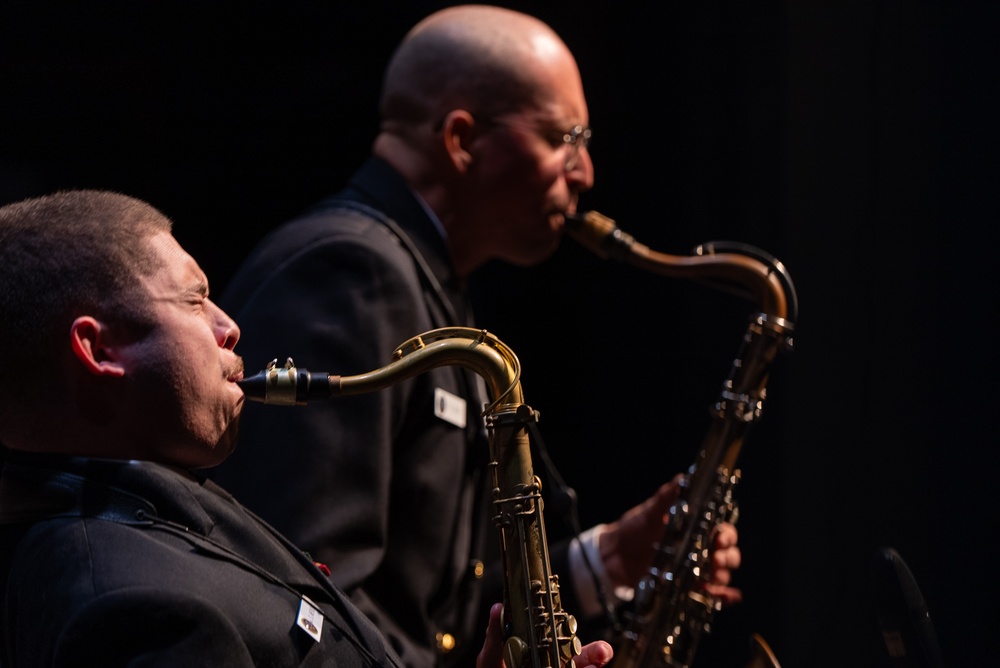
x=725 y=559
x=594 y=655
x=626 y=546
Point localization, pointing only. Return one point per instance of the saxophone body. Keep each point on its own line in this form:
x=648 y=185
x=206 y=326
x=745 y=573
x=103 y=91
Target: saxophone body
x=538 y=633
x=671 y=610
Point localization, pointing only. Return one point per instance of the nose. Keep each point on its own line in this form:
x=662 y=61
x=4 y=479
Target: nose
x=581 y=175
x=227 y=332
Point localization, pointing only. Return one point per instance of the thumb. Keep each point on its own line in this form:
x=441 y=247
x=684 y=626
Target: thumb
x=491 y=655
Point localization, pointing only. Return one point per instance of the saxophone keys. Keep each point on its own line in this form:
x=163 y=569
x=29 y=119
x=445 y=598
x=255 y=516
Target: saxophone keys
x=514 y=652
x=568 y=650
x=570 y=626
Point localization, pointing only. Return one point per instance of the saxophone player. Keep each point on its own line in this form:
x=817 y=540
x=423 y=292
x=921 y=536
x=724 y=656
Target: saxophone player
x=114 y=548
x=481 y=151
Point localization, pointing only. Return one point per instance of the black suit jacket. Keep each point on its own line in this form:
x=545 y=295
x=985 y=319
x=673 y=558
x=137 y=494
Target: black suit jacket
x=131 y=563
x=377 y=486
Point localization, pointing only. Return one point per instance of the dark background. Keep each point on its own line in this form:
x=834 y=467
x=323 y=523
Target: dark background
x=856 y=141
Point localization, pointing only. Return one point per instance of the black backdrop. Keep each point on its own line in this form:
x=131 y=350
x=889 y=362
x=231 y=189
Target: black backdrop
x=855 y=141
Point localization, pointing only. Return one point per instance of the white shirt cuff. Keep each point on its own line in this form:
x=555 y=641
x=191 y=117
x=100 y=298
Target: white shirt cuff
x=583 y=580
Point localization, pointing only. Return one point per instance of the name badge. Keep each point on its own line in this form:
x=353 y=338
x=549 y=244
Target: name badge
x=450 y=408
x=310 y=619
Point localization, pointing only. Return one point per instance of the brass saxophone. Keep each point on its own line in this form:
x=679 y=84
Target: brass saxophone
x=537 y=631
x=671 y=607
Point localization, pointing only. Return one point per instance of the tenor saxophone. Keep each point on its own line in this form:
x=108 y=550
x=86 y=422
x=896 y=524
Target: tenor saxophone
x=671 y=608
x=538 y=632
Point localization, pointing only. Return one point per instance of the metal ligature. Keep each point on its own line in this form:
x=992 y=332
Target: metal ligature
x=671 y=608
x=538 y=632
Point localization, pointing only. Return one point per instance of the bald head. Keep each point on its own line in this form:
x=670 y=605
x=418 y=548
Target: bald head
x=477 y=103
x=487 y=60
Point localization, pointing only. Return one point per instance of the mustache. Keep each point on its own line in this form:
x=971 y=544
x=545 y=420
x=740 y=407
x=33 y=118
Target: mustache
x=234 y=369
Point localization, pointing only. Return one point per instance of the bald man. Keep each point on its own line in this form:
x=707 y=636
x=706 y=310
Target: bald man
x=482 y=151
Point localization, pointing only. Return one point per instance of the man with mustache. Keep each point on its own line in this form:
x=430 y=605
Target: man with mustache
x=114 y=549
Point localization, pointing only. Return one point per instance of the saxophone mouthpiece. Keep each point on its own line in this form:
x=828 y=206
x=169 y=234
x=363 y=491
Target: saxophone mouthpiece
x=287 y=386
x=599 y=234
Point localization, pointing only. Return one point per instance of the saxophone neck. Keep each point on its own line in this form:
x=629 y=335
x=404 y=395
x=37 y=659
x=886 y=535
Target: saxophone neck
x=733 y=267
x=474 y=349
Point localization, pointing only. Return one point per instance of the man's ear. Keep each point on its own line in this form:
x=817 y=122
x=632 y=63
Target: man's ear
x=457 y=131
x=94 y=346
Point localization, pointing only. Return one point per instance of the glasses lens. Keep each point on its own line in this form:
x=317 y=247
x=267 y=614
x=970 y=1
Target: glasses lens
x=575 y=138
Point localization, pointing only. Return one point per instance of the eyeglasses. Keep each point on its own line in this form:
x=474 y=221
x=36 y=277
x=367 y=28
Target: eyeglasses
x=573 y=139
x=578 y=137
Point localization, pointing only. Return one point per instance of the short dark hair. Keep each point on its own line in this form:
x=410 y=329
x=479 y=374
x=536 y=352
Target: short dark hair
x=68 y=254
